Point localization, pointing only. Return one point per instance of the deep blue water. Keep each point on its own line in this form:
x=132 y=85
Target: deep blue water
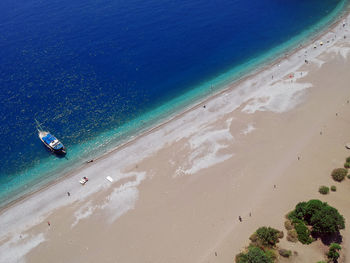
x=85 y=67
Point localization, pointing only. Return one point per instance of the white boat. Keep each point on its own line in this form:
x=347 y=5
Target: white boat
x=51 y=141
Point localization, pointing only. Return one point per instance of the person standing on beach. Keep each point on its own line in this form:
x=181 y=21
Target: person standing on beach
x=68 y=193
x=240 y=219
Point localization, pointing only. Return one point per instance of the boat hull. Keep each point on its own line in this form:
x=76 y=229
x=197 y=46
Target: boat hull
x=61 y=151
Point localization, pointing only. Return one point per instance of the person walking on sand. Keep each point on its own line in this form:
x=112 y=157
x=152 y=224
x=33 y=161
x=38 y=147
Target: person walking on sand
x=240 y=219
x=48 y=223
x=68 y=193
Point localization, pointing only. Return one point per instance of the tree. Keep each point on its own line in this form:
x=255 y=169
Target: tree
x=254 y=255
x=323 y=218
x=327 y=220
x=304 y=210
x=312 y=207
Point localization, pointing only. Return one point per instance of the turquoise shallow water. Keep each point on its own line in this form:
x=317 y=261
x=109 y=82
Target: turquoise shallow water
x=97 y=80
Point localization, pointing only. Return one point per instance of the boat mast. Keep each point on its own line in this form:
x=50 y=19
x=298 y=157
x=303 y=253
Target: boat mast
x=38 y=126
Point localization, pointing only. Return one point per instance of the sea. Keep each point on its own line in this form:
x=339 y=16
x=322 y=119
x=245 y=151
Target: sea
x=97 y=73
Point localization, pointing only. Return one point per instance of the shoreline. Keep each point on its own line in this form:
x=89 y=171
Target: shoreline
x=177 y=114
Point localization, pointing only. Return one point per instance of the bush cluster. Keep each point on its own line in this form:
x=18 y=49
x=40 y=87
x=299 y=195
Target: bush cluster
x=265 y=237
x=261 y=249
x=323 y=189
x=339 y=174
x=333 y=188
x=253 y=255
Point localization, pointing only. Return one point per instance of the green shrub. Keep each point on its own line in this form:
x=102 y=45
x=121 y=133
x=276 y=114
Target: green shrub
x=334 y=246
x=347 y=165
x=348 y=176
x=265 y=237
x=323 y=190
x=270 y=253
x=303 y=233
x=348 y=159
x=253 y=255
x=292 y=236
x=333 y=188
x=333 y=253
x=285 y=253
x=339 y=174
x=321 y=261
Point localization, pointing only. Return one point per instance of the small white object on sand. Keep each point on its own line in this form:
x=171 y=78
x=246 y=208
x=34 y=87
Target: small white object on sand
x=347 y=146
x=83 y=180
x=110 y=179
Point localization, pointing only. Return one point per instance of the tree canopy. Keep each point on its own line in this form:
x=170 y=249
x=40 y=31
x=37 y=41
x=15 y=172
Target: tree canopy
x=323 y=218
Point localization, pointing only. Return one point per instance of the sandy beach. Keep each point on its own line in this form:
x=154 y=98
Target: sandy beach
x=255 y=150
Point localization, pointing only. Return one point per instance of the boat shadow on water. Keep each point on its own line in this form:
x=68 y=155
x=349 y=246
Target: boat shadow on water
x=58 y=155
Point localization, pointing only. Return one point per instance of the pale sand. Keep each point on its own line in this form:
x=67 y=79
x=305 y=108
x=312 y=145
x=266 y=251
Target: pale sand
x=178 y=190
